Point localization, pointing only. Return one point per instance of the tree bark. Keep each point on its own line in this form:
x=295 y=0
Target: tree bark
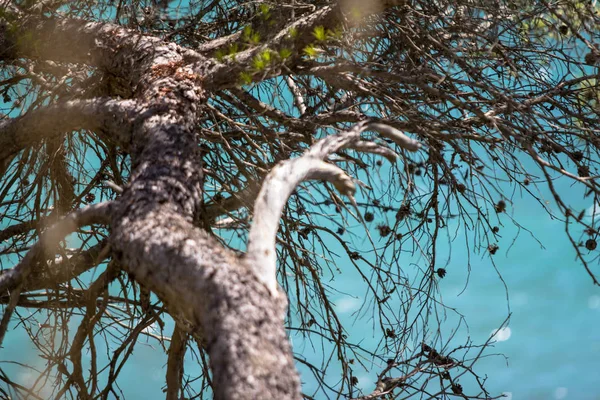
x=154 y=235
x=210 y=291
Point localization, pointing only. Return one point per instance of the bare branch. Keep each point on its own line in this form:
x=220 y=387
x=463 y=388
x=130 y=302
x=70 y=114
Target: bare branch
x=106 y=115
x=175 y=362
x=116 y=188
x=66 y=268
x=90 y=318
x=14 y=279
x=386 y=385
x=298 y=99
x=285 y=177
x=94 y=214
x=237 y=200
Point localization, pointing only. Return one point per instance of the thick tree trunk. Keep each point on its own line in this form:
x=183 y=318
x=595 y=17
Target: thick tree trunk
x=211 y=292
x=214 y=294
x=207 y=288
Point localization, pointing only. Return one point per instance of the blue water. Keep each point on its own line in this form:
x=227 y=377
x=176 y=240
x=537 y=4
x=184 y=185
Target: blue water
x=549 y=350
x=552 y=342
x=551 y=347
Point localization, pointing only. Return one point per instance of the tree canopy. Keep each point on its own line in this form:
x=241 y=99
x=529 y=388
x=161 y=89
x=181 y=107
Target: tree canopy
x=164 y=162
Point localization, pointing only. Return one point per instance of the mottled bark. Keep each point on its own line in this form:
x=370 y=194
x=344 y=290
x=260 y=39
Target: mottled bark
x=206 y=287
x=218 y=297
x=102 y=114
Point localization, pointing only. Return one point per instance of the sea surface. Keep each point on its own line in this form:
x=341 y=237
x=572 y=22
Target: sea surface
x=549 y=349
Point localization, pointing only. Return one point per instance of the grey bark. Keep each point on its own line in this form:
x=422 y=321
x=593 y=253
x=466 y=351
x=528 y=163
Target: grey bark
x=209 y=291
x=212 y=293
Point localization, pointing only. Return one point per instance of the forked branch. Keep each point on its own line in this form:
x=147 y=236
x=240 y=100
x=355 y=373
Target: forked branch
x=13 y=280
x=100 y=114
x=286 y=176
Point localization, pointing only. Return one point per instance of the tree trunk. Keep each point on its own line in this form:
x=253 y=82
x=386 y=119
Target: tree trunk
x=206 y=287
x=229 y=303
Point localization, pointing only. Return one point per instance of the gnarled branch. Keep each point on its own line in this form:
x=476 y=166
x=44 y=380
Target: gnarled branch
x=285 y=177
x=14 y=279
x=107 y=115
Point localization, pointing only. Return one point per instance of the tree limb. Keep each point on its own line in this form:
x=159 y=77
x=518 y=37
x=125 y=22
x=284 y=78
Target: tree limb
x=14 y=279
x=285 y=177
x=298 y=99
x=49 y=239
x=220 y=77
x=385 y=385
x=175 y=362
x=104 y=114
x=67 y=39
x=67 y=268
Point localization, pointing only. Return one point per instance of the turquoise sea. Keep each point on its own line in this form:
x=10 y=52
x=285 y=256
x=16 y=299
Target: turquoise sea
x=549 y=350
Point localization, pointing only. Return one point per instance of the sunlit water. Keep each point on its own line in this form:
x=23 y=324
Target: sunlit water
x=551 y=345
